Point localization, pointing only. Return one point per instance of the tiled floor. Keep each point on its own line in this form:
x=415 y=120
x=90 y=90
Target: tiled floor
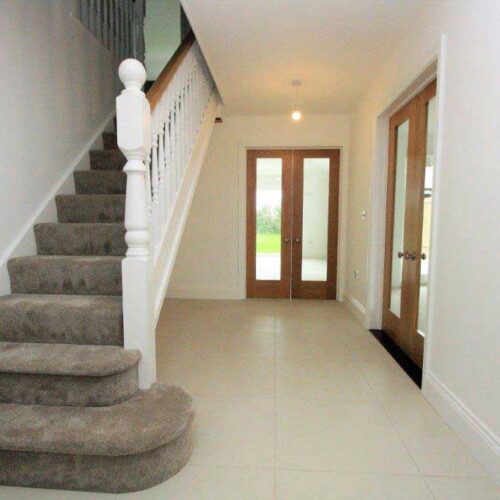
x=295 y=400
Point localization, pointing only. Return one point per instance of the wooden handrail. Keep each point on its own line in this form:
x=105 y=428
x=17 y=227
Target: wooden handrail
x=161 y=83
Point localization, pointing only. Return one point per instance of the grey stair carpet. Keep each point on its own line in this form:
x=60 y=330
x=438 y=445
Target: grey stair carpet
x=68 y=319
x=59 y=374
x=109 y=140
x=90 y=208
x=109 y=159
x=66 y=274
x=80 y=239
x=100 y=181
x=124 y=447
x=71 y=413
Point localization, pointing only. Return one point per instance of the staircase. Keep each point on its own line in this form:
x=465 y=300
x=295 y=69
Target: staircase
x=72 y=415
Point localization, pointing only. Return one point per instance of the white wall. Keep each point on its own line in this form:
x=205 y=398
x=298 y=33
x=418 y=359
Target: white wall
x=57 y=89
x=211 y=258
x=462 y=375
x=162 y=33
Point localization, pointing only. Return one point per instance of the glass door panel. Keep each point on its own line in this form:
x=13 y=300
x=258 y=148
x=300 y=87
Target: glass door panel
x=397 y=261
x=268 y=218
x=315 y=219
x=315 y=223
x=427 y=209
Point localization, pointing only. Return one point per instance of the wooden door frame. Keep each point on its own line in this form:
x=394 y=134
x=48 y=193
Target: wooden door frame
x=416 y=340
x=315 y=289
x=262 y=288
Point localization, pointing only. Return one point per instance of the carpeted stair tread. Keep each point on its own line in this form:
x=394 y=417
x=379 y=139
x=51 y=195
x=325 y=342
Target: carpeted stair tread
x=61 y=319
x=63 y=274
x=100 y=181
x=90 y=208
x=145 y=422
x=108 y=159
x=65 y=359
x=80 y=239
x=109 y=140
x=66 y=375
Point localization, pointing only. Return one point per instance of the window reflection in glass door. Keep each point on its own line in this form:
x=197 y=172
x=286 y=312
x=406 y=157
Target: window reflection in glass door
x=430 y=156
x=315 y=219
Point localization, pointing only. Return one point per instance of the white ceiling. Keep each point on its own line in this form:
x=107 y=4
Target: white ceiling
x=255 y=48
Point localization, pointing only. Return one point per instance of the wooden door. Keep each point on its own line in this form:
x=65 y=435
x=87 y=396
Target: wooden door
x=408 y=145
x=315 y=223
x=292 y=223
x=269 y=223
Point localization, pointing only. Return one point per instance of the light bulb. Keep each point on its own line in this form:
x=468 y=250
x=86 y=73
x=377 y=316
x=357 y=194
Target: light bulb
x=296 y=115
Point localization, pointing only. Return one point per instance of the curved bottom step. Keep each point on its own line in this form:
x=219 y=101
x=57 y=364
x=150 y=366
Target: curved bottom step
x=98 y=473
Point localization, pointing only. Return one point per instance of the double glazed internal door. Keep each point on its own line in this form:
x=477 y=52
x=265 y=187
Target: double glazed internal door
x=292 y=223
x=409 y=200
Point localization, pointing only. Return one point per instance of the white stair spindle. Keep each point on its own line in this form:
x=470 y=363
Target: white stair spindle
x=174 y=152
x=178 y=139
x=161 y=176
x=168 y=164
x=155 y=206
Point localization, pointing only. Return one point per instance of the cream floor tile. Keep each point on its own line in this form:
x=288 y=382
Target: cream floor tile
x=307 y=324
x=15 y=493
x=175 y=357
x=338 y=435
x=191 y=483
x=449 y=488
x=304 y=344
x=307 y=485
x=386 y=378
x=245 y=341
x=220 y=483
x=435 y=448
x=234 y=432
x=243 y=321
x=443 y=456
x=320 y=377
x=222 y=375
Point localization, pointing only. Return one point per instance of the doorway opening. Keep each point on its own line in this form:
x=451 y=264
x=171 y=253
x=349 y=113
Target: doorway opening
x=292 y=223
x=411 y=159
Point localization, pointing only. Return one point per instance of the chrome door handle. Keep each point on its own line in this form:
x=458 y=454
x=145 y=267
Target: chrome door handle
x=297 y=240
x=410 y=256
x=286 y=240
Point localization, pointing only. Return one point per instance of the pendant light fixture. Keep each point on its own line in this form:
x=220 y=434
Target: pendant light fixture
x=296 y=113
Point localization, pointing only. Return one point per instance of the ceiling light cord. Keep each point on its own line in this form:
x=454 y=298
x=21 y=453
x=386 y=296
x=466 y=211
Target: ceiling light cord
x=296 y=114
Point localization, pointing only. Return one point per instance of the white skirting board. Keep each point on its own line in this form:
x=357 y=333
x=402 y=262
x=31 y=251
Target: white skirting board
x=483 y=443
x=355 y=307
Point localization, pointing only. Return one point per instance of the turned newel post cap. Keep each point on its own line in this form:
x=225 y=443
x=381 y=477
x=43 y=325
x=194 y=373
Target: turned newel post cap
x=132 y=74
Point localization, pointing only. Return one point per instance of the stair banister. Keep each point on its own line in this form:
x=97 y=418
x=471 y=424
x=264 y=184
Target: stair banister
x=133 y=117
x=158 y=135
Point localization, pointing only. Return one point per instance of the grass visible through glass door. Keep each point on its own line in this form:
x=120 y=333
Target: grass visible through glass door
x=268 y=243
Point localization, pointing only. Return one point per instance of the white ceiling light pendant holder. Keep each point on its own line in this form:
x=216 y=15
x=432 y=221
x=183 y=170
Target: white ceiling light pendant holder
x=296 y=113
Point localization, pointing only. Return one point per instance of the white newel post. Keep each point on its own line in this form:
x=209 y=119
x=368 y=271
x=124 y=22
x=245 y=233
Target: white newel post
x=133 y=118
